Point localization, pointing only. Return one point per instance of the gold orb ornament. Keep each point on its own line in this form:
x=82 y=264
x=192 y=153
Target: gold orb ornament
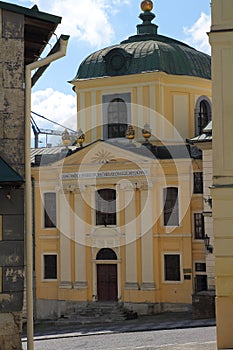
x=146 y=5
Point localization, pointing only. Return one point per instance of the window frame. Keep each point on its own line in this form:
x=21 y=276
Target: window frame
x=198 y=185
x=45 y=215
x=203 y=100
x=176 y=206
x=115 y=107
x=195 y=228
x=106 y=99
x=200 y=263
x=43 y=277
x=200 y=274
x=204 y=276
x=105 y=215
x=181 y=277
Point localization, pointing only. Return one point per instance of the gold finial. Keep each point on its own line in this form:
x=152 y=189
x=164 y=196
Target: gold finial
x=147 y=5
x=146 y=132
x=130 y=133
x=66 y=138
x=80 y=137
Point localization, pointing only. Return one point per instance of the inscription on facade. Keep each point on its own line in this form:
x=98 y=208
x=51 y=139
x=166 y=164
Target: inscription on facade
x=104 y=174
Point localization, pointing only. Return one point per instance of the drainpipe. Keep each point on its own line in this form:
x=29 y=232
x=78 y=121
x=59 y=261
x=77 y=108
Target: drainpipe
x=61 y=52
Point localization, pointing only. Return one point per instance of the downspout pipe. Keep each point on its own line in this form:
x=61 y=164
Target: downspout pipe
x=61 y=52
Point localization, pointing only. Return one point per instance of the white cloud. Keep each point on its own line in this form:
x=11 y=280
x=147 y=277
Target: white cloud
x=196 y=35
x=84 y=20
x=56 y=106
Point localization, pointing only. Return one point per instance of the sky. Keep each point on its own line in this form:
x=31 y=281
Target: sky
x=95 y=24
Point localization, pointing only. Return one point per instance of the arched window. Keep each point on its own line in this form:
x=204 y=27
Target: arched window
x=171 y=206
x=117 y=118
x=202 y=115
x=106 y=254
x=106 y=207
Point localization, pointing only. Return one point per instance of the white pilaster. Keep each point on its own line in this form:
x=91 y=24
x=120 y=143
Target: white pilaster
x=65 y=240
x=80 y=240
x=130 y=236
x=146 y=217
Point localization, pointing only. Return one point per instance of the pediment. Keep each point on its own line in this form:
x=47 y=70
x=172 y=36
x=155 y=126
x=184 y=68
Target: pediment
x=101 y=153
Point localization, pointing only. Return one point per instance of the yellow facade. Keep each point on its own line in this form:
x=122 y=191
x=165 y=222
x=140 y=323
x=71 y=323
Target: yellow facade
x=139 y=239
x=165 y=100
x=114 y=219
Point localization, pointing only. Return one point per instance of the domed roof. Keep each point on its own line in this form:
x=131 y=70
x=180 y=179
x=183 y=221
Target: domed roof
x=146 y=52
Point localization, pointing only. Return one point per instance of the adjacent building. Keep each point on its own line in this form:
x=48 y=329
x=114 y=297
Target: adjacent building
x=222 y=190
x=24 y=33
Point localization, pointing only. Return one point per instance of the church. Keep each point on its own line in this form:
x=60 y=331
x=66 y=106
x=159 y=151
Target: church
x=119 y=217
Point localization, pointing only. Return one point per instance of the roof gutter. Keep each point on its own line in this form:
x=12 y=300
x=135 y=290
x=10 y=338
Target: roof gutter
x=59 y=52
x=63 y=40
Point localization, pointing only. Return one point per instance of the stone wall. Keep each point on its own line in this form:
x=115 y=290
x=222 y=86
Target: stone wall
x=12 y=93
x=12 y=121
x=203 y=305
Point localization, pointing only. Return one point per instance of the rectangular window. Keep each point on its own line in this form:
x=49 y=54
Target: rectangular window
x=200 y=267
x=198 y=182
x=171 y=206
x=50 y=266
x=116 y=115
x=50 y=210
x=199 y=226
x=106 y=207
x=172 y=267
x=200 y=283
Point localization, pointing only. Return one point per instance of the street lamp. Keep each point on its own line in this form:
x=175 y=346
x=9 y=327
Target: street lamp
x=208 y=247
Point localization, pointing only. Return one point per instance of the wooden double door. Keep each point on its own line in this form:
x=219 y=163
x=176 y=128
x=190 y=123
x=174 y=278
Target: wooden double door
x=107 y=282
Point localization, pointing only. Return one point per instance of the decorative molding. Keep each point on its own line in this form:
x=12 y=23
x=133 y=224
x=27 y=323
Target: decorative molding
x=105 y=237
x=127 y=186
x=49 y=237
x=148 y=286
x=171 y=235
x=80 y=285
x=67 y=188
x=105 y=242
x=131 y=285
x=105 y=232
x=207 y=213
x=102 y=157
x=65 y=284
x=145 y=186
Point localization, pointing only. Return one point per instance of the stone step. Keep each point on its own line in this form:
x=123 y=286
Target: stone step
x=100 y=312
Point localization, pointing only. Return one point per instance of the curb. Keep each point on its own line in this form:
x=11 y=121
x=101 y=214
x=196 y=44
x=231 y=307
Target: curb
x=100 y=329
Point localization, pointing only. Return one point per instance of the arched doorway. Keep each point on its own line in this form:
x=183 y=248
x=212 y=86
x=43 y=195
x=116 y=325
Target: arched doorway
x=106 y=276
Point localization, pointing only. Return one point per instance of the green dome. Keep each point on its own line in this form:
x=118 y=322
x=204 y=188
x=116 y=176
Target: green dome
x=146 y=52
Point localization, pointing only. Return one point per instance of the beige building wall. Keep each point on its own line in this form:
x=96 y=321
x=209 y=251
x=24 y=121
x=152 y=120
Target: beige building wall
x=207 y=183
x=221 y=40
